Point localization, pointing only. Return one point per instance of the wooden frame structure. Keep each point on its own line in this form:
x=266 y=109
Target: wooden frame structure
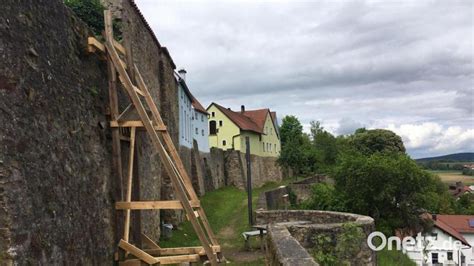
x=148 y=117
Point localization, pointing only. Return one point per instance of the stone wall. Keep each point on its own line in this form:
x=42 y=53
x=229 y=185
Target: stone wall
x=56 y=190
x=264 y=169
x=304 y=225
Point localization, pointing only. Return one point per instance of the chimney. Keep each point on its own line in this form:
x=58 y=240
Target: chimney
x=242 y=108
x=434 y=217
x=182 y=73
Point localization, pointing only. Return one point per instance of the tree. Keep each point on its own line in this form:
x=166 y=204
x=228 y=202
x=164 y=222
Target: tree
x=389 y=187
x=90 y=11
x=377 y=140
x=324 y=143
x=290 y=129
x=292 y=141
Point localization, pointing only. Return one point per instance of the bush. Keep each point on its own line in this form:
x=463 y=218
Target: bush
x=90 y=11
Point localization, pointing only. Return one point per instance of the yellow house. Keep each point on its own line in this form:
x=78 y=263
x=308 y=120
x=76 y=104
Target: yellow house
x=228 y=129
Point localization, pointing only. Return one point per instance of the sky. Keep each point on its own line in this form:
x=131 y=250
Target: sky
x=406 y=66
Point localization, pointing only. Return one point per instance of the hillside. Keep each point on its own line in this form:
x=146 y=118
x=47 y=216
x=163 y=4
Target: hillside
x=455 y=157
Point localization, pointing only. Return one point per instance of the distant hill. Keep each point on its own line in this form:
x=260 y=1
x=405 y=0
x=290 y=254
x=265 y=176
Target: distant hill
x=455 y=157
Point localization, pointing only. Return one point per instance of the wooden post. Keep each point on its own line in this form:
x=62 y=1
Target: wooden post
x=126 y=230
x=249 y=180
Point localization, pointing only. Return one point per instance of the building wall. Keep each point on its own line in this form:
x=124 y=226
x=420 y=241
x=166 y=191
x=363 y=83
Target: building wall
x=441 y=249
x=200 y=130
x=226 y=132
x=186 y=133
x=270 y=144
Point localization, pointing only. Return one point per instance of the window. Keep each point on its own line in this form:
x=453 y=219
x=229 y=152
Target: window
x=275 y=147
x=197 y=131
x=434 y=236
x=213 y=114
x=450 y=255
x=264 y=146
x=434 y=258
x=220 y=123
x=212 y=127
x=202 y=118
x=202 y=132
x=224 y=143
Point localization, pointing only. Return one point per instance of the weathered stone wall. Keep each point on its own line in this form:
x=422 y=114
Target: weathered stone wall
x=264 y=169
x=304 y=225
x=56 y=190
x=283 y=249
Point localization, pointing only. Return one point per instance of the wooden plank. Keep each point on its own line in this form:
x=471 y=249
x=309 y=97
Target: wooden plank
x=149 y=242
x=119 y=47
x=169 y=166
x=137 y=252
x=129 y=183
x=93 y=45
x=152 y=205
x=180 y=251
x=165 y=260
x=178 y=259
x=137 y=90
x=133 y=123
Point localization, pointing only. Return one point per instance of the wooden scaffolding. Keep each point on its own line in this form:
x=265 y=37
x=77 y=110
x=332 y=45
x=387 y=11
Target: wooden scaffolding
x=146 y=115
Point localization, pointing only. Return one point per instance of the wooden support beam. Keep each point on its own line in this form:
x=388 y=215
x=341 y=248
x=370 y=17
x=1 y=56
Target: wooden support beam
x=180 y=251
x=137 y=252
x=133 y=123
x=149 y=242
x=129 y=184
x=153 y=205
x=93 y=45
x=165 y=260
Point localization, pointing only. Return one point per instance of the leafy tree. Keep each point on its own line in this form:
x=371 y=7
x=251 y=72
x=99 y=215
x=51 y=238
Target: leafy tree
x=325 y=144
x=292 y=139
x=290 y=129
x=377 y=140
x=391 y=188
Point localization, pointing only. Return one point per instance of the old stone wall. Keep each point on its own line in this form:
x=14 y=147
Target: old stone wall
x=56 y=190
x=264 y=169
x=302 y=226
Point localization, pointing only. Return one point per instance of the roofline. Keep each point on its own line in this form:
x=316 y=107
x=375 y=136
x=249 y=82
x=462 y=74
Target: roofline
x=463 y=240
x=153 y=36
x=220 y=106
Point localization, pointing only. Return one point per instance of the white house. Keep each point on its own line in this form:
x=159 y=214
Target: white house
x=193 y=120
x=450 y=242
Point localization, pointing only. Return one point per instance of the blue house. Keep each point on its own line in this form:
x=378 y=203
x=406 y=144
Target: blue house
x=193 y=117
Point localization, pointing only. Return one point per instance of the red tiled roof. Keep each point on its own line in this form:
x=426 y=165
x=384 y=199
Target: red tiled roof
x=197 y=105
x=242 y=121
x=454 y=225
x=259 y=116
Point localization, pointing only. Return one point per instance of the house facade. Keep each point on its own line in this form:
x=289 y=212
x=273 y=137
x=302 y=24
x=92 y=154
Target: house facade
x=228 y=130
x=440 y=247
x=193 y=121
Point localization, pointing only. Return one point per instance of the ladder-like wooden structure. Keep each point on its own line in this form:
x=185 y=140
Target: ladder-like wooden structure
x=148 y=117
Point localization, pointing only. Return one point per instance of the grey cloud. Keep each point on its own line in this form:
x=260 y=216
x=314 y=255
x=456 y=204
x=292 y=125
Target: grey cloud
x=375 y=62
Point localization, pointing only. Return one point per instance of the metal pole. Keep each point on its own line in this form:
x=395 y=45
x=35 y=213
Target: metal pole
x=249 y=180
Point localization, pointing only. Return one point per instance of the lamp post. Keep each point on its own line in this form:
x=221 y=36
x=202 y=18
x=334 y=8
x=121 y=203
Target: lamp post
x=249 y=179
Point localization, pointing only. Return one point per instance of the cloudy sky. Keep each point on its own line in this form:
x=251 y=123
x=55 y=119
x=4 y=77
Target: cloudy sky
x=401 y=65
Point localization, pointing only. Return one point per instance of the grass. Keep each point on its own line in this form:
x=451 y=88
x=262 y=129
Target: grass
x=393 y=258
x=451 y=176
x=226 y=210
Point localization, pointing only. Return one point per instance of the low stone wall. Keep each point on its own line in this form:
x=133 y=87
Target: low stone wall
x=284 y=249
x=303 y=225
x=302 y=189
